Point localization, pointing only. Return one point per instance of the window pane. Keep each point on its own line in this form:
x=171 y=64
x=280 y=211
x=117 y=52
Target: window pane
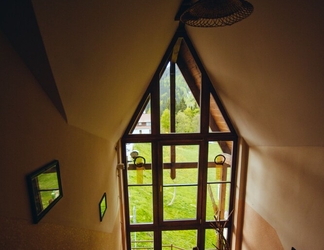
x=183 y=107
x=212 y=239
x=219 y=161
x=187 y=110
x=142 y=240
x=217 y=122
x=143 y=125
x=179 y=203
x=219 y=173
x=217 y=197
x=139 y=176
x=183 y=176
x=181 y=153
x=165 y=101
x=179 y=239
x=180 y=164
x=139 y=168
x=180 y=167
x=213 y=150
x=140 y=204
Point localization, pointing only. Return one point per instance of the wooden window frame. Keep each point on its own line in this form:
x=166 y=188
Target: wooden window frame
x=157 y=139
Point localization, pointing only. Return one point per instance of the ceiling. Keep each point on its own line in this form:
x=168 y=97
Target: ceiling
x=267 y=69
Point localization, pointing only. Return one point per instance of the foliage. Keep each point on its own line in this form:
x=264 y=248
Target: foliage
x=165 y=121
x=181 y=106
x=183 y=123
x=187 y=111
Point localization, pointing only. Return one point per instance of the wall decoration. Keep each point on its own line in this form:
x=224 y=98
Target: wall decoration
x=45 y=189
x=102 y=206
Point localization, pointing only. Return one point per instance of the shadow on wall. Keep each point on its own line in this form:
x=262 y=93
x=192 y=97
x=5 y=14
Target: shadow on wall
x=285 y=187
x=258 y=233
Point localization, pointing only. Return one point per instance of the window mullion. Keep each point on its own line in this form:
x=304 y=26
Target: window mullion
x=172 y=98
x=202 y=184
x=155 y=106
x=204 y=104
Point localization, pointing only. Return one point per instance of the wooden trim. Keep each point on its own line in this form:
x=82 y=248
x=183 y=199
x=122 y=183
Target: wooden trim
x=202 y=89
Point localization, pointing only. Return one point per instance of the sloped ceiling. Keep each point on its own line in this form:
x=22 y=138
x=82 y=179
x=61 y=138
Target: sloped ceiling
x=267 y=69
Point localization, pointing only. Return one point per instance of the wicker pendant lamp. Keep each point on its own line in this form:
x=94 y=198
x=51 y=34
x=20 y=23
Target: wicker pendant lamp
x=216 y=13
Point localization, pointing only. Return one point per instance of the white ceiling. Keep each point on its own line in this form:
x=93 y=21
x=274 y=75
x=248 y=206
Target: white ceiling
x=267 y=69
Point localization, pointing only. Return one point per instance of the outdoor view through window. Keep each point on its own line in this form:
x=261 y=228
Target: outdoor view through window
x=180 y=152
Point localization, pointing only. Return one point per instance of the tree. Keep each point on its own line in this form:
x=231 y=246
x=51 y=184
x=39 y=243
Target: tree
x=181 y=106
x=195 y=123
x=165 y=121
x=182 y=123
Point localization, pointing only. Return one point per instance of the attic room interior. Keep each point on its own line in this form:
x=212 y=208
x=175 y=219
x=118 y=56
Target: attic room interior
x=76 y=76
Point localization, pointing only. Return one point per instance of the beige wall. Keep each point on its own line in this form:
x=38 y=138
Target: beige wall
x=32 y=133
x=284 y=199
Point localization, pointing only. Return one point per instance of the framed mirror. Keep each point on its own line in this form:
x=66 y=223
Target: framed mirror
x=102 y=206
x=45 y=189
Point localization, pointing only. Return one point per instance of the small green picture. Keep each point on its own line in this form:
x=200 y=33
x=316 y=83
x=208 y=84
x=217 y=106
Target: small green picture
x=102 y=206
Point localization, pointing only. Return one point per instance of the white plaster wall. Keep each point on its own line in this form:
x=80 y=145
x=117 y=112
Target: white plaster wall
x=285 y=187
x=32 y=133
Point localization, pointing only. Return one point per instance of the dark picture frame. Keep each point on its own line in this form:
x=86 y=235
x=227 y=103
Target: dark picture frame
x=45 y=189
x=102 y=206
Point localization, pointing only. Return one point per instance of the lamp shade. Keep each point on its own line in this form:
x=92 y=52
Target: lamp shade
x=216 y=13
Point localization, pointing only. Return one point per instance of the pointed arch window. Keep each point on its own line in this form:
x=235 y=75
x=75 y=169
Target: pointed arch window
x=173 y=181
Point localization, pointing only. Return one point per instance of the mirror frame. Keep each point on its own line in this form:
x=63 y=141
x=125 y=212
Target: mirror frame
x=38 y=212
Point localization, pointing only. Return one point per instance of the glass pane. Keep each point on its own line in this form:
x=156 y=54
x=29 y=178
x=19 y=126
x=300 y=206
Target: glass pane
x=180 y=167
x=217 y=197
x=219 y=160
x=179 y=239
x=219 y=173
x=165 y=101
x=181 y=153
x=217 y=122
x=143 y=125
x=180 y=164
x=212 y=239
x=187 y=111
x=140 y=204
x=142 y=240
x=139 y=168
x=183 y=176
x=139 y=176
x=187 y=153
x=213 y=150
x=179 y=202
